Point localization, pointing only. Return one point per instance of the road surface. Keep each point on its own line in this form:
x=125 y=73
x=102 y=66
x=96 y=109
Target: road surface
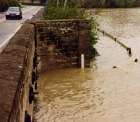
x=9 y=27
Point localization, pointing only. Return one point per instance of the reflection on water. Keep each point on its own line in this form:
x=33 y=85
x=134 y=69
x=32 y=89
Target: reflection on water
x=102 y=93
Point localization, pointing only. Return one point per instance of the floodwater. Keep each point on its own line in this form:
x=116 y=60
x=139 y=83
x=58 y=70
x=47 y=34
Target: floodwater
x=107 y=92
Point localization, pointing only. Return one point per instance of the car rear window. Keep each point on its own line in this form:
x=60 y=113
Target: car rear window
x=15 y=9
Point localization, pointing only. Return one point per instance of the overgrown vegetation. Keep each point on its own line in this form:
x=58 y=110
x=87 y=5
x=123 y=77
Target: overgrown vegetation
x=61 y=13
x=93 y=35
x=4 y=4
x=63 y=9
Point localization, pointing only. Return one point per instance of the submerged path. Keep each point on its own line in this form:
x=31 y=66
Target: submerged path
x=107 y=92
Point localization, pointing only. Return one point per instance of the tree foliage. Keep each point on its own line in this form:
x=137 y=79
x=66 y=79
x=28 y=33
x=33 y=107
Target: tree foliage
x=4 y=4
x=61 y=3
x=109 y=3
x=63 y=9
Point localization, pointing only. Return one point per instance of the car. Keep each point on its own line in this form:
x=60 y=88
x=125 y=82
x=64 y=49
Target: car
x=14 y=13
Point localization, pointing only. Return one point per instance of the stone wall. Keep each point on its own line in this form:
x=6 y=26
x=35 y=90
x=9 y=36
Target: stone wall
x=60 y=43
x=16 y=64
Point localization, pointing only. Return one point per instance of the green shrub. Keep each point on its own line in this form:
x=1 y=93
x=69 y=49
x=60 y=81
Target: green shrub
x=56 y=9
x=94 y=35
x=61 y=13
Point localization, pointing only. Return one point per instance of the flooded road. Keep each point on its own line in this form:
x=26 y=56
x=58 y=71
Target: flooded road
x=107 y=92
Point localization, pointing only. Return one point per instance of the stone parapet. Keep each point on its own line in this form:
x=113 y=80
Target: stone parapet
x=16 y=63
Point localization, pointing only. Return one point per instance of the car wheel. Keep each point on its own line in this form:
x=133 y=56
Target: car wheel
x=19 y=17
x=7 y=17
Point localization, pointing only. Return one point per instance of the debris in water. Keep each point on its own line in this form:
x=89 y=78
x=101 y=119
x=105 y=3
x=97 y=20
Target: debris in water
x=136 y=60
x=114 y=67
x=129 y=51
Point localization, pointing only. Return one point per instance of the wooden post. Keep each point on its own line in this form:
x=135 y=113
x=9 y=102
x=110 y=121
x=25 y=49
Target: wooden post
x=82 y=61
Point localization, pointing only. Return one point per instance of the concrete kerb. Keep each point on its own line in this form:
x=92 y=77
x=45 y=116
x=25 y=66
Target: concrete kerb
x=128 y=49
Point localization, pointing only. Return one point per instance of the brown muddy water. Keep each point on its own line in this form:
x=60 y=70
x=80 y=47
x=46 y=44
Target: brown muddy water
x=101 y=93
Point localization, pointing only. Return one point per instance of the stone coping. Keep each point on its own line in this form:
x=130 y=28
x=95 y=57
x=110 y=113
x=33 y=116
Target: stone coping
x=12 y=63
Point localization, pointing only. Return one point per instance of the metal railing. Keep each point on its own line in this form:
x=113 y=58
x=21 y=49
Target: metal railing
x=128 y=49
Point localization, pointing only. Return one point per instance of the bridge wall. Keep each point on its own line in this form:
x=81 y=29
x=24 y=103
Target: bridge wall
x=18 y=75
x=16 y=64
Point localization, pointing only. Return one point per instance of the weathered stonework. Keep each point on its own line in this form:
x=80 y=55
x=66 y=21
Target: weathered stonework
x=60 y=43
x=15 y=75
